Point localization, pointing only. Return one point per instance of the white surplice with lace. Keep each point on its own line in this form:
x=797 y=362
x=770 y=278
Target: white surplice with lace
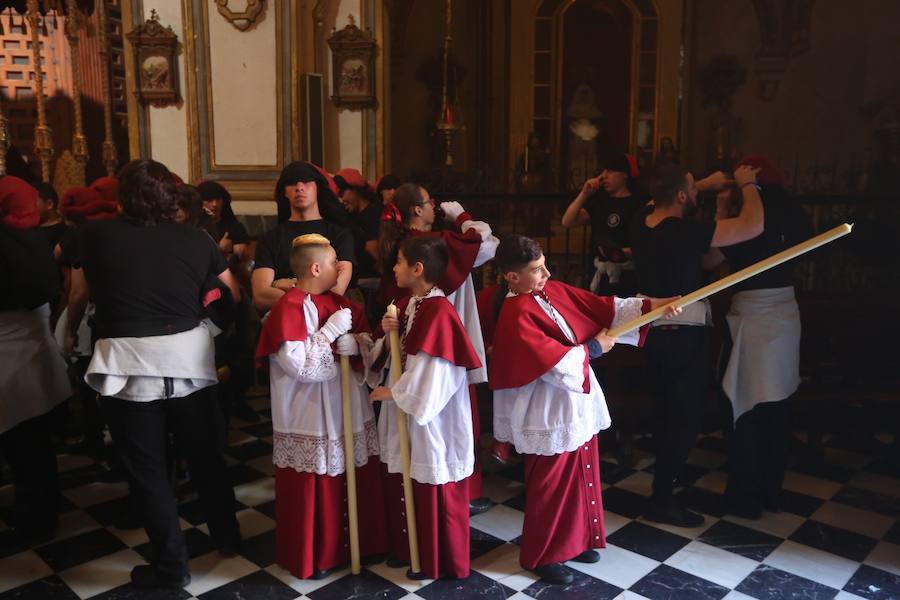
x=307 y=416
x=552 y=414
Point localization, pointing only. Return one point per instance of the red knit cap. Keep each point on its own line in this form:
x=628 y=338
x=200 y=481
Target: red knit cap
x=107 y=187
x=353 y=178
x=769 y=173
x=80 y=203
x=18 y=203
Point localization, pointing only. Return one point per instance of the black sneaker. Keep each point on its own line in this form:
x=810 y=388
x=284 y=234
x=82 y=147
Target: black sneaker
x=147 y=576
x=588 y=556
x=752 y=513
x=396 y=563
x=128 y=521
x=674 y=515
x=555 y=573
x=480 y=505
x=321 y=574
x=243 y=412
x=373 y=559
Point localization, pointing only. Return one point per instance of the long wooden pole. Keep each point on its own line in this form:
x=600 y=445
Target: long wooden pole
x=737 y=277
x=350 y=465
x=403 y=434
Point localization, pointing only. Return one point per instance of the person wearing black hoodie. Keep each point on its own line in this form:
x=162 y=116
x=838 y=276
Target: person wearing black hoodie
x=306 y=204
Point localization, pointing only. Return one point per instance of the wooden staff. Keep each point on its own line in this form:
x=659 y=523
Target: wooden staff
x=737 y=277
x=350 y=465
x=403 y=433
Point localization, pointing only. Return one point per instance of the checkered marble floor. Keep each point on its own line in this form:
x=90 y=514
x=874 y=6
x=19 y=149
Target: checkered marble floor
x=838 y=537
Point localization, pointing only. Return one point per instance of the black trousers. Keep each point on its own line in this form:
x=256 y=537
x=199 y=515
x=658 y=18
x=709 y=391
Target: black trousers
x=678 y=366
x=28 y=448
x=757 y=457
x=140 y=432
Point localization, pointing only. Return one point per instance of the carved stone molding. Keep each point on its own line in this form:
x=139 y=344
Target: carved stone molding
x=245 y=19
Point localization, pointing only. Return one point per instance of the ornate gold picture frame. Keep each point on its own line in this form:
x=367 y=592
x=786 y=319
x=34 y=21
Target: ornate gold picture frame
x=353 y=68
x=156 y=59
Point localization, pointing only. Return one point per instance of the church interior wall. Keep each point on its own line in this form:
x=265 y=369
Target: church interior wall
x=835 y=90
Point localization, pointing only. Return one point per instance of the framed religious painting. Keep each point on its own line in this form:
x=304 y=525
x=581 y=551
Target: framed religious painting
x=156 y=62
x=353 y=68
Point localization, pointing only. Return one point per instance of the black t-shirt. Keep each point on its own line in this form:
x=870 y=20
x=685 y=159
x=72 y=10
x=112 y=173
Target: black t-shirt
x=28 y=275
x=785 y=225
x=364 y=226
x=668 y=257
x=610 y=222
x=146 y=281
x=55 y=233
x=273 y=250
x=236 y=231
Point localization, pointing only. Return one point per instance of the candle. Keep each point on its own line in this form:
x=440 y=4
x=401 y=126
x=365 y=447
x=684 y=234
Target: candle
x=737 y=277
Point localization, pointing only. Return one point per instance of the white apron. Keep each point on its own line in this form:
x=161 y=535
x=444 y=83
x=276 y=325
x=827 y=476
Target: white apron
x=33 y=376
x=764 y=365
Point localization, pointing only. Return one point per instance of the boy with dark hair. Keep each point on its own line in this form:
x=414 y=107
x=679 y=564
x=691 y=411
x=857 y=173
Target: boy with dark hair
x=433 y=392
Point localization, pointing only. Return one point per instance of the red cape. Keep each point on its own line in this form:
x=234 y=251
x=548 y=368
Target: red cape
x=286 y=321
x=528 y=343
x=438 y=332
x=463 y=249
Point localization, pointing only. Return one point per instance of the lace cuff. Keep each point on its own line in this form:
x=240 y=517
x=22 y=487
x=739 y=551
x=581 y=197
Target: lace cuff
x=568 y=373
x=319 y=364
x=626 y=310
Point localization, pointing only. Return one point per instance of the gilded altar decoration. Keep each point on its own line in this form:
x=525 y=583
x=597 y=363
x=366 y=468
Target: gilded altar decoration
x=242 y=19
x=156 y=57
x=353 y=68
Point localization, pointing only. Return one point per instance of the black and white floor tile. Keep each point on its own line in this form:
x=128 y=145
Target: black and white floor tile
x=838 y=538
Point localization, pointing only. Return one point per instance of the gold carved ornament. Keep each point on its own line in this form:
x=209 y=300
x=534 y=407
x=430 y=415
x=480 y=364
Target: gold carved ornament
x=245 y=19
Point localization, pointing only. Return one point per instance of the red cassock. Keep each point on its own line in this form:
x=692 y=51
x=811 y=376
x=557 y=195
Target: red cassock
x=311 y=510
x=563 y=508
x=442 y=511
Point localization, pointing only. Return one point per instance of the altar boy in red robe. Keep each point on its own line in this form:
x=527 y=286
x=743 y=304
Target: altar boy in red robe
x=549 y=405
x=311 y=526
x=433 y=394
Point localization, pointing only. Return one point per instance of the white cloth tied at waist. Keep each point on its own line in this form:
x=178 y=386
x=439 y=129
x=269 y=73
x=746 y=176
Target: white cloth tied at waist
x=697 y=314
x=152 y=368
x=764 y=365
x=33 y=375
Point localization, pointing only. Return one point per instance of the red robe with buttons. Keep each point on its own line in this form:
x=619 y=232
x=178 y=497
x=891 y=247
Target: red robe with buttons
x=311 y=516
x=563 y=507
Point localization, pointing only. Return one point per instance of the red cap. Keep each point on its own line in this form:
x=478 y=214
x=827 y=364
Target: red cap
x=107 y=187
x=87 y=203
x=769 y=173
x=353 y=177
x=18 y=203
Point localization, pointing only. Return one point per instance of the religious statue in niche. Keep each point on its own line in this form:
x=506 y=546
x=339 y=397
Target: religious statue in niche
x=155 y=54
x=353 y=67
x=583 y=116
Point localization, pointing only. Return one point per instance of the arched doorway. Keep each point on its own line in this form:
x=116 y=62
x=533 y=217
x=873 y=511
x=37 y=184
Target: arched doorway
x=595 y=82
